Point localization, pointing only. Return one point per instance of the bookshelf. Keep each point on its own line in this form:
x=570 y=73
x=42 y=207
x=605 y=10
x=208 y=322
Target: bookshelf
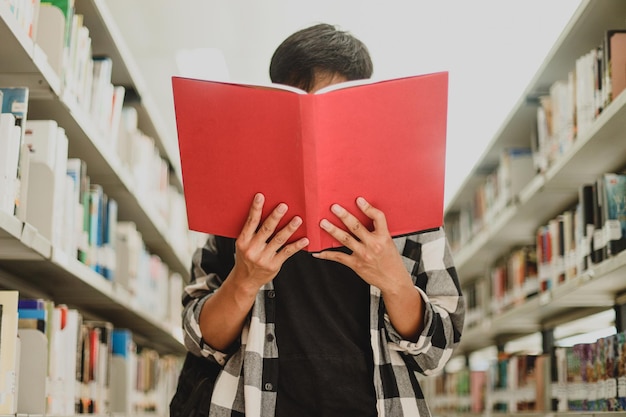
x=547 y=193
x=551 y=191
x=28 y=261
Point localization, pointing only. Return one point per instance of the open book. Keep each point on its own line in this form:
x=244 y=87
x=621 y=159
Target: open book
x=382 y=140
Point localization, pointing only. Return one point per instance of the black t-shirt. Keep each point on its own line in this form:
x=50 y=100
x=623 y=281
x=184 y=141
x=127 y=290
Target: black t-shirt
x=322 y=331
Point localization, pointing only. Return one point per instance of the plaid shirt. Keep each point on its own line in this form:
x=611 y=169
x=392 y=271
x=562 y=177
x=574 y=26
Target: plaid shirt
x=248 y=387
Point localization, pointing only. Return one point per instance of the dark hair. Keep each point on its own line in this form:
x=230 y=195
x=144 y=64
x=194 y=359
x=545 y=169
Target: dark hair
x=318 y=50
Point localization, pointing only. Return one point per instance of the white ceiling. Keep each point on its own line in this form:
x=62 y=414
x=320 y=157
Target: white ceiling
x=491 y=48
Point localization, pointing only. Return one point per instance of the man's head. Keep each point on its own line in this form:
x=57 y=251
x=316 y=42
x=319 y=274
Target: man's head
x=320 y=55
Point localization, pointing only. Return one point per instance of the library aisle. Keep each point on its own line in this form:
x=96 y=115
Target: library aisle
x=538 y=233
x=95 y=247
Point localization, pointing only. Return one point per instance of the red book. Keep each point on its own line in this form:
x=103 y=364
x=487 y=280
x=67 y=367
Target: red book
x=383 y=140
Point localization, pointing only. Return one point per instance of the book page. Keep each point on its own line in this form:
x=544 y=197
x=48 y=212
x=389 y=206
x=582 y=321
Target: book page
x=342 y=85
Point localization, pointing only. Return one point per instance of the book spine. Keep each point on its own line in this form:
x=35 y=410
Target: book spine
x=9 y=156
x=310 y=184
x=95 y=217
x=614 y=206
x=9 y=351
x=109 y=239
x=598 y=243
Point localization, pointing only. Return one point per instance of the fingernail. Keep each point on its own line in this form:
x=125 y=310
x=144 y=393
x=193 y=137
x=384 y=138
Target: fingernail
x=361 y=201
x=282 y=208
x=336 y=208
x=258 y=197
x=325 y=224
x=297 y=221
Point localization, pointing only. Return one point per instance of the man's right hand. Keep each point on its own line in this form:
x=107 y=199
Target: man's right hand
x=259 y=255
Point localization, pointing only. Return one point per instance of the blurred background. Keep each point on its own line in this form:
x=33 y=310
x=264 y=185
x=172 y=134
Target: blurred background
x=491 y=48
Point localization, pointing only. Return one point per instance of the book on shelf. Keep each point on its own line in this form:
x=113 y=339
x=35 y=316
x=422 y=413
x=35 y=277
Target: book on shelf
x=66 y=7
x=381 y=140
x=101 y=91
x=32 y=314
x=612 y=363
x=95 y=372
x=568 y=218
x=46 y=185
x=65 y=346
x=615 y=62
x=515 y=170
x=129 y=245
x=123 y=371
x=33 y=369
x=614 y=216
x=25 y=14
x=621 y=370
x=77 y=170
x=557 y=264
x=109 y=231
x=9 y=351
x=97 y=206
x=598 y=241
x=50 y=35
x=9 y=157
x=15 y=102
x=586 y=225
x=543 y=247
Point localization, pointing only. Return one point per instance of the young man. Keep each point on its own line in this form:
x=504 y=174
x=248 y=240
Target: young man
x=339 y=333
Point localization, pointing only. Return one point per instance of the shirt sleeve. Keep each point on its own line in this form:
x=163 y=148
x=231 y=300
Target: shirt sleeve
x=208 y=271
x=427 y=256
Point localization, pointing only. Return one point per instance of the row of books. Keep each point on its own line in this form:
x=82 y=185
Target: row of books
x=586 y=234
x=86 y=85
x=518 y=382
x=55 y=361
x=592 y=230
x=59 y=33
x=80 y=220
x=584 y=376
x=449 y=392
x=510 y=282
x=572 y=104
x=148 y=283
x=563 y=114
x=26 y=13
x=592 y=376
x=510 y=383
x=496 y=190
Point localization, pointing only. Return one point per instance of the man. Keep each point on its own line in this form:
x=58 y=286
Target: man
x=342 y=332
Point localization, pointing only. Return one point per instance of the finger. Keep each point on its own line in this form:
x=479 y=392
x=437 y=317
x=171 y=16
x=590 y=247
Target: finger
x=335 y=256
x=343 y=237
x=377 y=216
x=283 y=235
x=291 y=248
x=254 y=217
x=269 y=224
x=350 y=221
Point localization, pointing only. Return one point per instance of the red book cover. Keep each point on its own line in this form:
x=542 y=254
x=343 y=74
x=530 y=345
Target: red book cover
x=382 y=140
